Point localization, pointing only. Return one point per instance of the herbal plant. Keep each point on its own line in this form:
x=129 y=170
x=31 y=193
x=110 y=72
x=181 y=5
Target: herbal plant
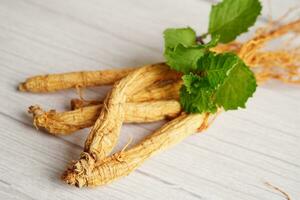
x=212 y=80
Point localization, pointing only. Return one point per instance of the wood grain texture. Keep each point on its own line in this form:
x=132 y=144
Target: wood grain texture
x=232 y=160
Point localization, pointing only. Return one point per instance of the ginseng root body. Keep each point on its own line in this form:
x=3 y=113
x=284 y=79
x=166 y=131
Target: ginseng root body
x=157 y=91
x=55 y=82
x=124 y=162
x=105 y=132
x=83 y=79
x=65 y=123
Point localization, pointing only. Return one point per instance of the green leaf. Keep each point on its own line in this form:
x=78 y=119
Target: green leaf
x=230 y=18
x=184 y=59
x=196 y=95
x=239 y=85
x=222 y=80
x=192 y=82
x=216 y=67
x=175 y=36
x=181 y=50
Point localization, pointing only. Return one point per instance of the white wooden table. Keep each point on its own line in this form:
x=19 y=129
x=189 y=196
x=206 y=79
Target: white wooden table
x=232 y=160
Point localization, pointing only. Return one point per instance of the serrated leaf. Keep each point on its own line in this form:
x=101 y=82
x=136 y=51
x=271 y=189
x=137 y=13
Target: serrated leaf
x=192 y=82
x=184 y=59
x=197 y=99
x=239 y=85
x=216 y=67
x=175 y=36
x=230 y=18
x=222 y=80
x=181 y=50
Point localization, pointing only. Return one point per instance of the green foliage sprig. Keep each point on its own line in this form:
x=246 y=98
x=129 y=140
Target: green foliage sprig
x=211 y=80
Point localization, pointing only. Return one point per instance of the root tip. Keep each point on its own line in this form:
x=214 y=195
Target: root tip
x=69 y=177
x=35 y=110
x=22 y=87
x=73 y=178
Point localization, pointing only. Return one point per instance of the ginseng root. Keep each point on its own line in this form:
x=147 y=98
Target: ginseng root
x=121 y=164
x=55 y=82
x=83 y=79
x=157 y=91
x=105 y=132
x=65 y=123
x=81 y=103
x=286 y=63
x=280 y=65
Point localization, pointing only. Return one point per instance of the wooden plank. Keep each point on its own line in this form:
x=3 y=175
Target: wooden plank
x=230 y=161
x=35 y=162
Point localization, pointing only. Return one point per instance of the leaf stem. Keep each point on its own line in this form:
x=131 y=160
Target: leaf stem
x=199 y=40
x=204 y=35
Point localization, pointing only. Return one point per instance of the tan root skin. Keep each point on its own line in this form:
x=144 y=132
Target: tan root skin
x=65 y=123
x=105 y=132
x=286 y=63
x=121 y=164
x=157 y=91
x=55 y=82
x=83 y=79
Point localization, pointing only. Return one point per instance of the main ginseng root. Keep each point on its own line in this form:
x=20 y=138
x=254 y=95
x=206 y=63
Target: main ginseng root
x=55 y=82
x=157 y=91
x=126 y=161
x=65 y=123
x=105 y=132
x=83 y=79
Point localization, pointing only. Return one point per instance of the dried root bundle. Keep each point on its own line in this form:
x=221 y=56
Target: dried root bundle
x=65 y=123
x=124 y=162
x=105 y=131
x=288 y=62
x=280 y=65
x=144 y=84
